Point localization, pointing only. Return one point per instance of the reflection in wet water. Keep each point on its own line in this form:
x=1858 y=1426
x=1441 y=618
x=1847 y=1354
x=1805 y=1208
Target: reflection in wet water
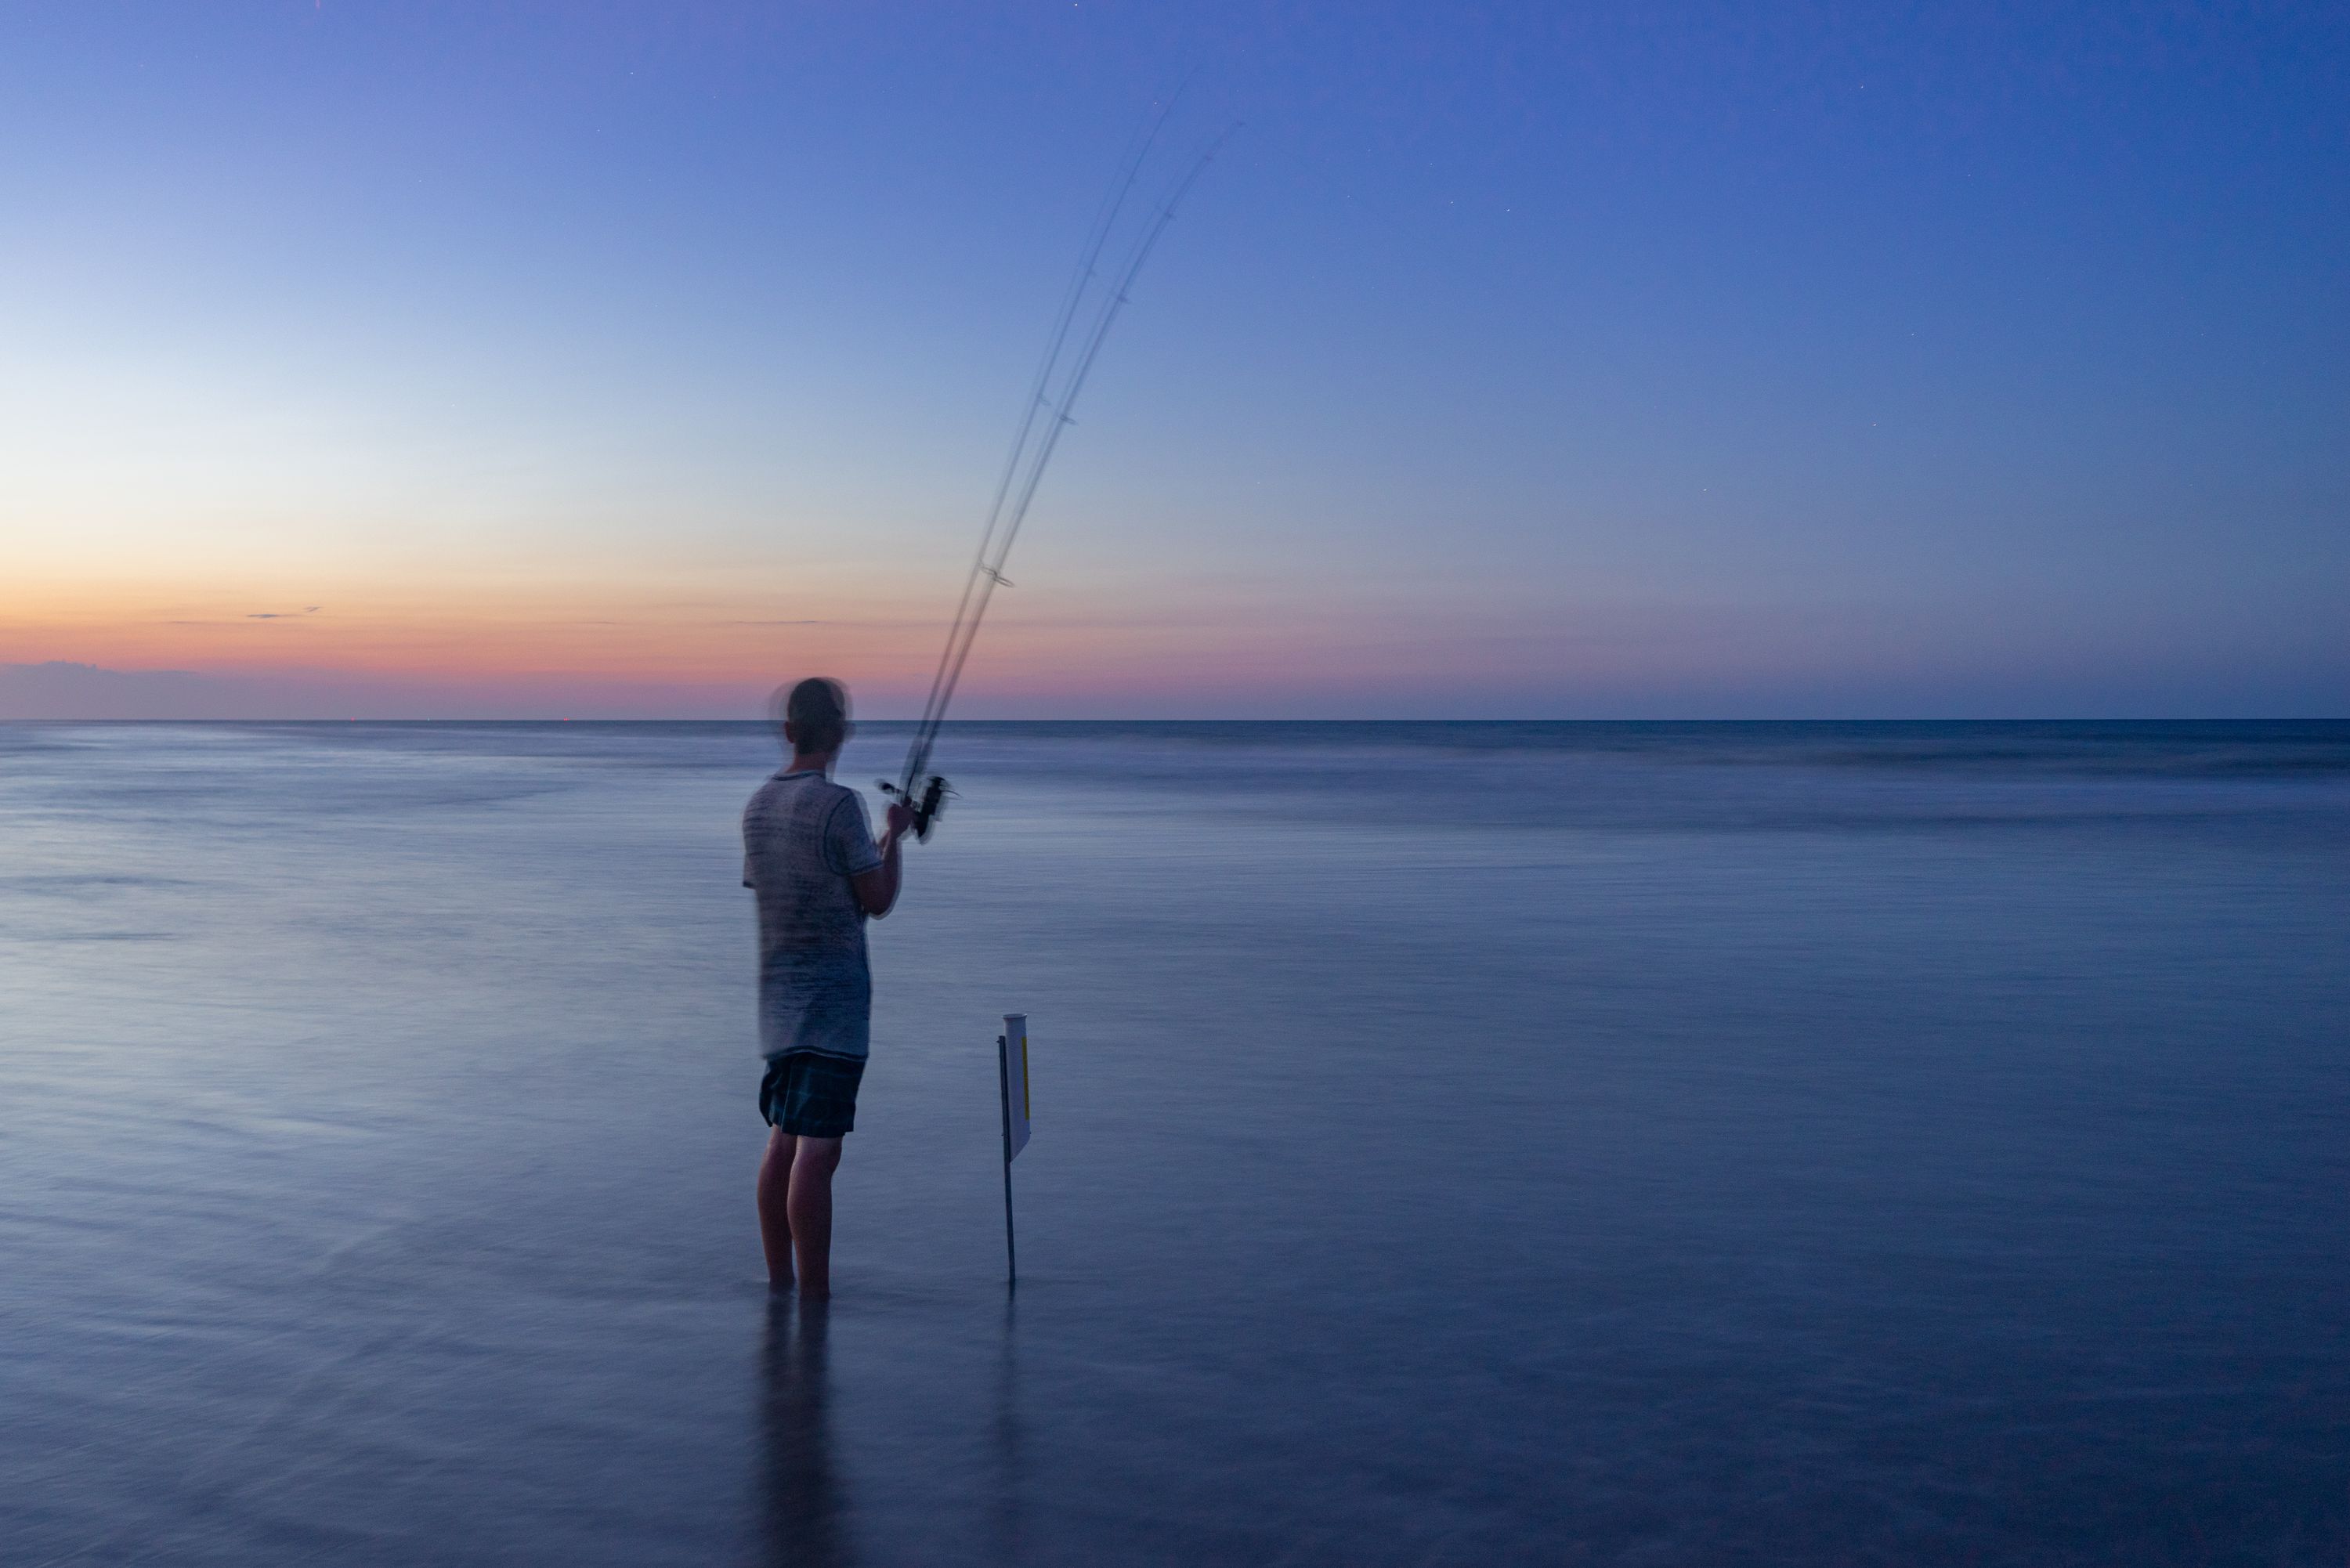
x=1009 y=1489
x=803 y=1509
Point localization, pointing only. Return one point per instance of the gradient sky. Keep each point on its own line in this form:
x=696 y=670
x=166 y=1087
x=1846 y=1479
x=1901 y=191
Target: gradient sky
x=1537 y=360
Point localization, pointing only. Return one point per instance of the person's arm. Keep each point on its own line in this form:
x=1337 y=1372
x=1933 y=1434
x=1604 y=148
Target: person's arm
x=877 y=891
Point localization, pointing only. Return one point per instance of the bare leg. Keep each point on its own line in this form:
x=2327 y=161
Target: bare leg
x=810 y=1205
x=774 y=1209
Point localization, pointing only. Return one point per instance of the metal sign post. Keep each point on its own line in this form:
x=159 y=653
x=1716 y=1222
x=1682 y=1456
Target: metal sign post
x=1012 y=1082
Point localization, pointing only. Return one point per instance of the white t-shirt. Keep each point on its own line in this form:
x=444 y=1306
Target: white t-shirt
x=804 y=837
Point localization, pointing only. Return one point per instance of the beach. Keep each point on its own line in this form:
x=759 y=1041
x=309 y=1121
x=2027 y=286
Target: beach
x=1483 y=1143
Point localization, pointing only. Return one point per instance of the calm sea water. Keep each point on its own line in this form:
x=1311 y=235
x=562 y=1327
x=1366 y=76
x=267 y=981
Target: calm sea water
x=1478 y=1144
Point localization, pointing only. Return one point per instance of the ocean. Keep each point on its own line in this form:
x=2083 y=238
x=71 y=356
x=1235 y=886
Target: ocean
x=1900 y=1144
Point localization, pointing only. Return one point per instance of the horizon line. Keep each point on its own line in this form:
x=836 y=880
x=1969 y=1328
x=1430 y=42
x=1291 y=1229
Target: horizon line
x=1385 y=719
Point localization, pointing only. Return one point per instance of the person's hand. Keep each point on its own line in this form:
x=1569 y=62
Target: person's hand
x=901 y=821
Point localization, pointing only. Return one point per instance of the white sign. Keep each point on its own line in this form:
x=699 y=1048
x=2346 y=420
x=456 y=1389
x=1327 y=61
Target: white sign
x=1016 y=1084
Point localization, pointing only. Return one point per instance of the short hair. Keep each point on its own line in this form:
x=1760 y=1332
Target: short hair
x=816 y=710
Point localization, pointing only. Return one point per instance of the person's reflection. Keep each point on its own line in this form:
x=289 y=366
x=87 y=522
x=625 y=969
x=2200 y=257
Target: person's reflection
x=803 y=1514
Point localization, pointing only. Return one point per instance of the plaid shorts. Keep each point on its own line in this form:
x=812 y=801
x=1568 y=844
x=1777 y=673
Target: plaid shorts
x=808 y=1096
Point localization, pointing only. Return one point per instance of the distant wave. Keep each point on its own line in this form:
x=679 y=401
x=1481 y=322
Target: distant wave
x=2219 y=748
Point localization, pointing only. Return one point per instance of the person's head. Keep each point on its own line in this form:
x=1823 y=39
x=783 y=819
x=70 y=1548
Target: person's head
x=813 y=715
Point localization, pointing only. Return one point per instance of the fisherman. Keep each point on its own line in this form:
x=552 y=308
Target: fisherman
x=808 y=854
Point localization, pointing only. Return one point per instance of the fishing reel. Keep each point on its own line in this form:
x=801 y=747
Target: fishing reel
x=926 y=805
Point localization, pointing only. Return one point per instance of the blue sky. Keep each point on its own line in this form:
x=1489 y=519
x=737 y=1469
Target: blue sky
x=1513 y=360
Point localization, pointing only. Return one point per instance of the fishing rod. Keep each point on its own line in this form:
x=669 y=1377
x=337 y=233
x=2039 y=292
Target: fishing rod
x=923 y=792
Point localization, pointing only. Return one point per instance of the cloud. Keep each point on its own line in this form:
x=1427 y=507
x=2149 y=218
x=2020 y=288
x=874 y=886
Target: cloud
x=274 y=615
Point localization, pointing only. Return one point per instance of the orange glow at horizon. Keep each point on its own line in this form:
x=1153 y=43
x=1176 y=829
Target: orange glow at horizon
x=695 y=643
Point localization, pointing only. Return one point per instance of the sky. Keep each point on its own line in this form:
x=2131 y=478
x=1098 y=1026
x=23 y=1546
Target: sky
x=468 y=358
